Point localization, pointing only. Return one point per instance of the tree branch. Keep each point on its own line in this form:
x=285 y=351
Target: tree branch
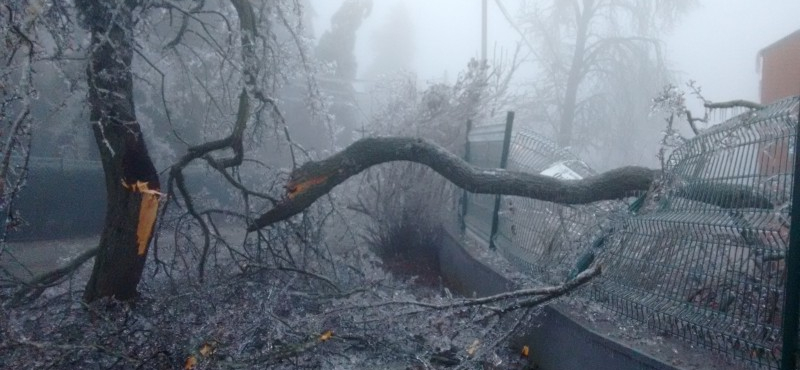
x=733 y=104
x=315 y=179
x=519 y=298
x=692 y=121
x=37 y=285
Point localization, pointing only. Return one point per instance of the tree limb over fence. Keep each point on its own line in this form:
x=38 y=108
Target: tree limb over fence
x=315 y=179
x=510 y=301
x=733 y=104
x=35 y=287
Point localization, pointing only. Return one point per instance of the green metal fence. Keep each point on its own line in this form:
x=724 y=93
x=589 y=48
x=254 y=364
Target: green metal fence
x=702 y=258
x=484 y=149
x=707 y=264
x=544 y=238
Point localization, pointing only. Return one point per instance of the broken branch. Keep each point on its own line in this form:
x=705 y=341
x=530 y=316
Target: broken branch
x=518 y=298
x=733 y=104
x=36 y=286
x=316 y=178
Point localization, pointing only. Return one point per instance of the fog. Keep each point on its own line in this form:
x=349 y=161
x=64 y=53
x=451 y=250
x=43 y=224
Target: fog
x=716 y=43
x=713 y=42
x=446 y=33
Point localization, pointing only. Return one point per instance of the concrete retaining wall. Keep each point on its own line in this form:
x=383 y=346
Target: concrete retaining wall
x=558 y=342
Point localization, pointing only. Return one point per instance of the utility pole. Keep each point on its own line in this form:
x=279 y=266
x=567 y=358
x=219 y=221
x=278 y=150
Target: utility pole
x=791 y=300
x=484 y=22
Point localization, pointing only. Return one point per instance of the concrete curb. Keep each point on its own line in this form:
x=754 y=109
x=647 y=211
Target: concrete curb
x=558 y=342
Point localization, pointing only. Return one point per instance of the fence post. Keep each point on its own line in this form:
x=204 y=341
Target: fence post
x=503 y=165
x=464 y=199
x=791 y=303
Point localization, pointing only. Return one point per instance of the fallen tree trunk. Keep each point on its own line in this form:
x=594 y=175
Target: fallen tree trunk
x=315 y=179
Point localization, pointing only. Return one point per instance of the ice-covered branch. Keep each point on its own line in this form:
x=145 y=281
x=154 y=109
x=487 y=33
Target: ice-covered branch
x=315 y=179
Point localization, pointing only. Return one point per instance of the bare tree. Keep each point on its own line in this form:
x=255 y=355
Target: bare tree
x=132 y=184
x=34 y=57
x=16 y=93
x=596 y=57
x=337 y=46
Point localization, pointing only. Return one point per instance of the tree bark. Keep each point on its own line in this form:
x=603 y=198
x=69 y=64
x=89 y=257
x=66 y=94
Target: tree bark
x=131 y=180
x=577 y=70
x=314 y=179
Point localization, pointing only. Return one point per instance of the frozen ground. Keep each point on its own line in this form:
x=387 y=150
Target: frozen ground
x=40 y=256
x=250 y=320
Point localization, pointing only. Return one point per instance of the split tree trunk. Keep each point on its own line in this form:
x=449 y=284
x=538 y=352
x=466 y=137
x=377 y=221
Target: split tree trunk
x=131 y=179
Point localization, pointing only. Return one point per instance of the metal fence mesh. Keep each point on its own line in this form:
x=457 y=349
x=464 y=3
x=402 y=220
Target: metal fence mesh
x=703 y=260
x=485 y=150
x=543 y=239
x=707 y=263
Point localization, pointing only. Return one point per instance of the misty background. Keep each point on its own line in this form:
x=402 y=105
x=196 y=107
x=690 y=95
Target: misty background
x=714 y=42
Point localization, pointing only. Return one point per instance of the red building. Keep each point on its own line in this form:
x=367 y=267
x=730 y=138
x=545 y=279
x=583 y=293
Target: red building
x=780 y=78
x=780 y=69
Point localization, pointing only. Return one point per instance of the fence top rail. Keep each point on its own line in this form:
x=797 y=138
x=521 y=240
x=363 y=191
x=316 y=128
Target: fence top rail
x=536 y=153
x=493 y=132
x=773 y=121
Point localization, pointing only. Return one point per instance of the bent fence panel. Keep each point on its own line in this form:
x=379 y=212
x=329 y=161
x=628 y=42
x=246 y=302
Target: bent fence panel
x=703 y=260
x=543 y=239
x=485 y=150
x=707 y=263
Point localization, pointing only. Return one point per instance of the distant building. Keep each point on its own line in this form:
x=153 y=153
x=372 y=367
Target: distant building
x=780 y=78
x=780 y=69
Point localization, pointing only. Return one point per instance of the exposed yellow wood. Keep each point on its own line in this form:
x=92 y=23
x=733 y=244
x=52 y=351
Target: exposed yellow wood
x=141 y=187
x=298 y=188
x=148 y=210
x=147 y=218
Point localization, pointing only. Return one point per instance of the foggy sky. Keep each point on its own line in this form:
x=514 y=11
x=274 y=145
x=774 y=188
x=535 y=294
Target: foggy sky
x=716 y=44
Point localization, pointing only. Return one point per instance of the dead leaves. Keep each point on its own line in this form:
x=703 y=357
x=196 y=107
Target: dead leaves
x=473 y=347
x=328 y=334
x=206 y=350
